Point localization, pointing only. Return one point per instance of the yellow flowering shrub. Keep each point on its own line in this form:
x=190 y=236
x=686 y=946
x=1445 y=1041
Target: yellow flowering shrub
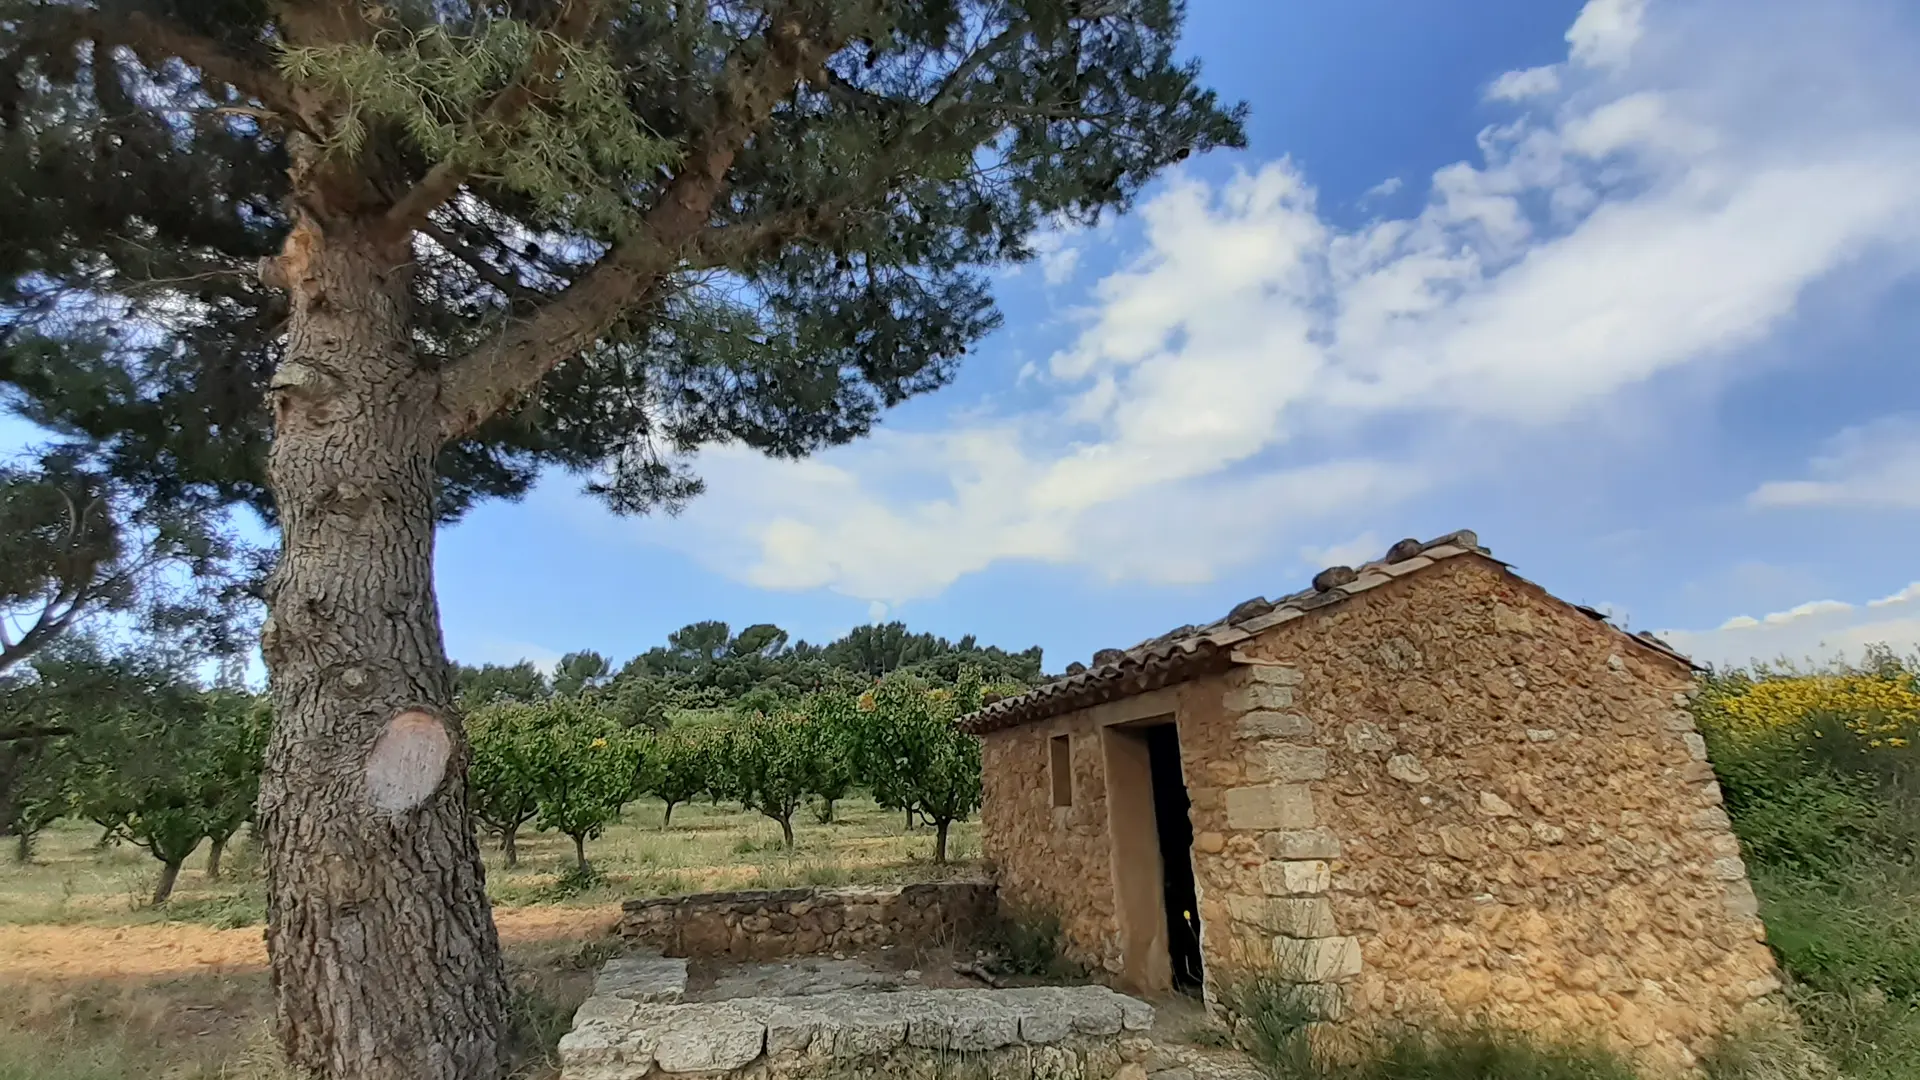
x=1814 y=763
x=1882 y=708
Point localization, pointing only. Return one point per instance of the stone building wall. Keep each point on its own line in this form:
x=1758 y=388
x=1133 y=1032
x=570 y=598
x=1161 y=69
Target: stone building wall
x=1449 y=796
x=767 y=925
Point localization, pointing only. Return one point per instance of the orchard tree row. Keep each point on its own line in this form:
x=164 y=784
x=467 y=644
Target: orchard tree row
x=568 y=763
x=130 y=743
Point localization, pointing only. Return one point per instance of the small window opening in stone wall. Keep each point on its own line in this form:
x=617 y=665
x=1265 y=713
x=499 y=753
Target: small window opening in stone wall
x=1062 y=751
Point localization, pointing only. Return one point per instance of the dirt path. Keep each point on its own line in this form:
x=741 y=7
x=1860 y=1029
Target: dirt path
x=186 y=949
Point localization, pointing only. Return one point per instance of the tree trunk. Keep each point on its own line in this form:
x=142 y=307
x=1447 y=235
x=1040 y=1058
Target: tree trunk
x=385 y=959
x=667 y=818
x=580 y=853
x=786 y=830
x=214 y=852
x=23 y=847
x=940 y=842
x=509 y=846
x=169 y=873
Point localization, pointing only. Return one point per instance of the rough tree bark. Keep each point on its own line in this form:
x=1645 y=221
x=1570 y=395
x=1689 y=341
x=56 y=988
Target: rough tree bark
x=163 y=889
x=509 y=847
x=383 y=949
x=940 y=841
x=217 y=848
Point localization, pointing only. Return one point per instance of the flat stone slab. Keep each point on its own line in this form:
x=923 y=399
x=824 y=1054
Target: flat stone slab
x=620 y=1039
x=643 y=978
x=792 y=978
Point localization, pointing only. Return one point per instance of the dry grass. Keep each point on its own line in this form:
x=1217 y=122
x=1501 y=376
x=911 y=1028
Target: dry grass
x=70 y=883
x=97 y=985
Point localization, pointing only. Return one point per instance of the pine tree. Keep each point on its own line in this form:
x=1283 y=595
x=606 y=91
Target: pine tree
x=361 y=265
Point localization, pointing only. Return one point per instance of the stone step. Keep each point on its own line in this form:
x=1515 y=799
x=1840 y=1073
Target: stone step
x=1037 y=1033
x=644 y=978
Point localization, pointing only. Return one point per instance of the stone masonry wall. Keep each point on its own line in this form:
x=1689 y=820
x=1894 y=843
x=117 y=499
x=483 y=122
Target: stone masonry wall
x=1450 y=797
x=767 y=925
x=1052 y=860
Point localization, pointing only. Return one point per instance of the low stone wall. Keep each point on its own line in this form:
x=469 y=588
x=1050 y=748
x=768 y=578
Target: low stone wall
x=767 y=925
x=1039 y=1033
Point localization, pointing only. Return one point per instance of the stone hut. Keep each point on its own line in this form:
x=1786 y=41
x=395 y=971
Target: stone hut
x=1424 y=788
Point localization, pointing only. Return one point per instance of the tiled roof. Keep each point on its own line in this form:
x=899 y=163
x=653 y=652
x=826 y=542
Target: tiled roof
x=1190 y=651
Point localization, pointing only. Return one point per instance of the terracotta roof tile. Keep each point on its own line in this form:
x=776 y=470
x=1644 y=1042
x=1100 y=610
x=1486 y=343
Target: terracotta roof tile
x=1189 y=651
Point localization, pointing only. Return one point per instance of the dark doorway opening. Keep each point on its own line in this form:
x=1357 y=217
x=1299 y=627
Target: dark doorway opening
x=1170 y=805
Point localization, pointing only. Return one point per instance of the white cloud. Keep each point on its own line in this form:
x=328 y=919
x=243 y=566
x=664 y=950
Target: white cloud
x=1363 y=548
x=1383 y=189
x=1058 y=250
x=1814 y=632
x=876 y=611
x=1606 y=31
x=1528 y=83
x=1655 y=215
x=1908 y=595
x=1873 y=466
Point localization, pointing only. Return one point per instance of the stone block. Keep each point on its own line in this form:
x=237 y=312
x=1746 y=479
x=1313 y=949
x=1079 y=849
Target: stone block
x=602 y=1051
x=1264 y=724
x=642 y=979
x=1696 y=745
x=1494 y=806
x=1045 y=1026
x=1741 y=903
x=1407 y=769
x=1542 y=735
x=1271 y=806
x=1729 y=868
x=1056 y=1063
x=1315 y=960
x=1259 y=696
x=1712 y=818
x=714 y=1039
x=1300 y=917
x=1366 y=737
x=1296 y=878
x=1287 y=762
x=1301 y=844
x=1273 y=674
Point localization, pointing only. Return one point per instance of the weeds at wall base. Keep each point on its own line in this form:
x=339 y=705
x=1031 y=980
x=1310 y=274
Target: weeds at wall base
x=1279 y=1024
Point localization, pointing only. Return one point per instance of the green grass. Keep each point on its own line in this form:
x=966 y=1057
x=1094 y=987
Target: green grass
x=70 y=882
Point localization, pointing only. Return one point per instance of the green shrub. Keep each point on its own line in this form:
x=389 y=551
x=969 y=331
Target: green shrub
x=1867 y=1034
x=1847 y=931
x=1272 y=1020
x=1486 y=1054
x=1029 y=944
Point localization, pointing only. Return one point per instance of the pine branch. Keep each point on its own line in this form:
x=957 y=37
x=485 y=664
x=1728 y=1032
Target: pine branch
x=155 y=41
x=486 y=271
x=571 y=23
x=511 y=364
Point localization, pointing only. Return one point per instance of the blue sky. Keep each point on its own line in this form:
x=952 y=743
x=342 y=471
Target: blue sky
x=1628 y=288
